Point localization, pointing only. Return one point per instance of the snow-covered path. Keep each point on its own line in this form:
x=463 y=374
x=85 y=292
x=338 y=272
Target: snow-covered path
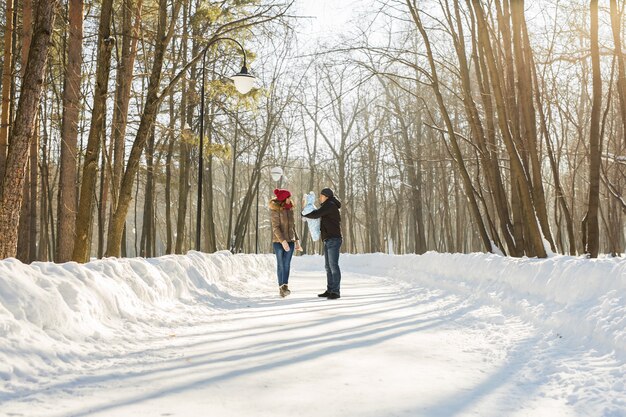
x=386 y=348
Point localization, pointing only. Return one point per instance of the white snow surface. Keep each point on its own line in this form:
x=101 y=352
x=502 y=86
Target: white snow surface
x=207 y=335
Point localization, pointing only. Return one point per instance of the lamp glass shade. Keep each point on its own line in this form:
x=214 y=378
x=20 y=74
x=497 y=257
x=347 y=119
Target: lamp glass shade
x=243 y=82
x=276 y=173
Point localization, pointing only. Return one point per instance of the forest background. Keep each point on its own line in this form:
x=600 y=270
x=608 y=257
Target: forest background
x=454 y=126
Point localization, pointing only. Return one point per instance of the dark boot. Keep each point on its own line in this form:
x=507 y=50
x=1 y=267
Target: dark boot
x=324 y=294
x=333 y=296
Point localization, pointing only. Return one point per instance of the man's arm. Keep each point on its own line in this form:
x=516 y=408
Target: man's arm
x=316 y=214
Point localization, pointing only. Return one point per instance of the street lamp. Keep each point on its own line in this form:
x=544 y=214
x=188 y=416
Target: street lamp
x=244 y=82
x=276 y=173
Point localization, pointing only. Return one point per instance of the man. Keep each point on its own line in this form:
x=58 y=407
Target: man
x=331 y=236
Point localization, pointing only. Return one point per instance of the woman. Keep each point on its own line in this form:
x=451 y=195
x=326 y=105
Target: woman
x=285 y=237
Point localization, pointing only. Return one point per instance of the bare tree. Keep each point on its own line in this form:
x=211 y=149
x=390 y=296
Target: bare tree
x=469 y=189
x=7 y=70
x=12 y=183
x=66 y=211
x=591 y=229
x=84 y=216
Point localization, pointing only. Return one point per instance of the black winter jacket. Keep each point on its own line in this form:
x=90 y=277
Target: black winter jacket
x=331 y=218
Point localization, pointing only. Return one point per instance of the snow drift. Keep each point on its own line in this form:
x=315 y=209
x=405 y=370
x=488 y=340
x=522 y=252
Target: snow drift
x=52 y=310
x=52 y=315
x=581 y=300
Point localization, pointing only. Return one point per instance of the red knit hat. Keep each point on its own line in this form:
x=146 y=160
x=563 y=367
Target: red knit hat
x=282 y=195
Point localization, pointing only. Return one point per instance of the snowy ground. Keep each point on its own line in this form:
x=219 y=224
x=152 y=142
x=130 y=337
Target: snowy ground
x=207 y=335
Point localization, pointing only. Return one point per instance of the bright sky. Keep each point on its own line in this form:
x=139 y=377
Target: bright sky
x=326 y=17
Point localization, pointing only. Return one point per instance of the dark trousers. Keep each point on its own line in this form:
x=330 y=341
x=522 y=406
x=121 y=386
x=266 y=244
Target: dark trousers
x=331 y=258
x=283 y=261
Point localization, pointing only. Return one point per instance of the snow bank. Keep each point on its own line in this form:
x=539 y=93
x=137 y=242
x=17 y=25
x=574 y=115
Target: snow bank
x=581 y=300
x=53 y=316
x=47 y=310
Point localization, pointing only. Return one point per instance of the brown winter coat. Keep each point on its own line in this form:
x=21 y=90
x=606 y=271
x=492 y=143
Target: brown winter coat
x=283 y=223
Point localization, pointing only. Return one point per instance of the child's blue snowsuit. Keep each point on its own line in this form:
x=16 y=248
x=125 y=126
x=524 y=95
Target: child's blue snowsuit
x=314 y=224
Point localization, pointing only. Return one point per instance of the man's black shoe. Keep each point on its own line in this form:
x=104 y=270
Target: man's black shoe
x=324 y=294
x=333 y=296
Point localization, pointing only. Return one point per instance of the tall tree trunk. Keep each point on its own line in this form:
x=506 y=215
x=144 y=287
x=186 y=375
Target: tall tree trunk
x=311 y=155
x=591 y=229
x=233 y=183
x=210 y=240
x=47 y=241
x=183 y=193
x=467 y=183
x=168 y=178
x=499 y=62
x=186 y=120
x=529 y=128
x=415 y=177
x=105 y=169
x=153 y=100
x=507 y=226
x=34 y=147
x=519 y=178
x=554 y=166
x=84 y=215
x=11 y=194
x=7 y=71
x=243 y=217
x=66 y=204
x=33 y=193
x=124 y=77
x=23 y=246
x=26 y=246
x=616 y=26
x=373 y=173
x=350 y=210
x=147 y=231
x=43 y=252
x=484 y=138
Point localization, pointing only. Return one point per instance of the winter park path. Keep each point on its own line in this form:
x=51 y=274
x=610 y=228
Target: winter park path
x=388 y=347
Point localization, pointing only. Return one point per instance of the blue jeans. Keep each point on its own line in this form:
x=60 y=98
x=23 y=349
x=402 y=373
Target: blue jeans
x=283 y=261
x=331 y=258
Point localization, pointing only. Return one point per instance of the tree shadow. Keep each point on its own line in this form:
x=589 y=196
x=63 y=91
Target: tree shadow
x=383 y=323
x=369 y=335
x=386 y=305
x=460 y=401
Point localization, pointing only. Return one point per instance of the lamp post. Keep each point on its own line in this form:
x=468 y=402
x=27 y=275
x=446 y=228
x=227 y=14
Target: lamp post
x=256 y=236
x=244 y=82
x=277 y=174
